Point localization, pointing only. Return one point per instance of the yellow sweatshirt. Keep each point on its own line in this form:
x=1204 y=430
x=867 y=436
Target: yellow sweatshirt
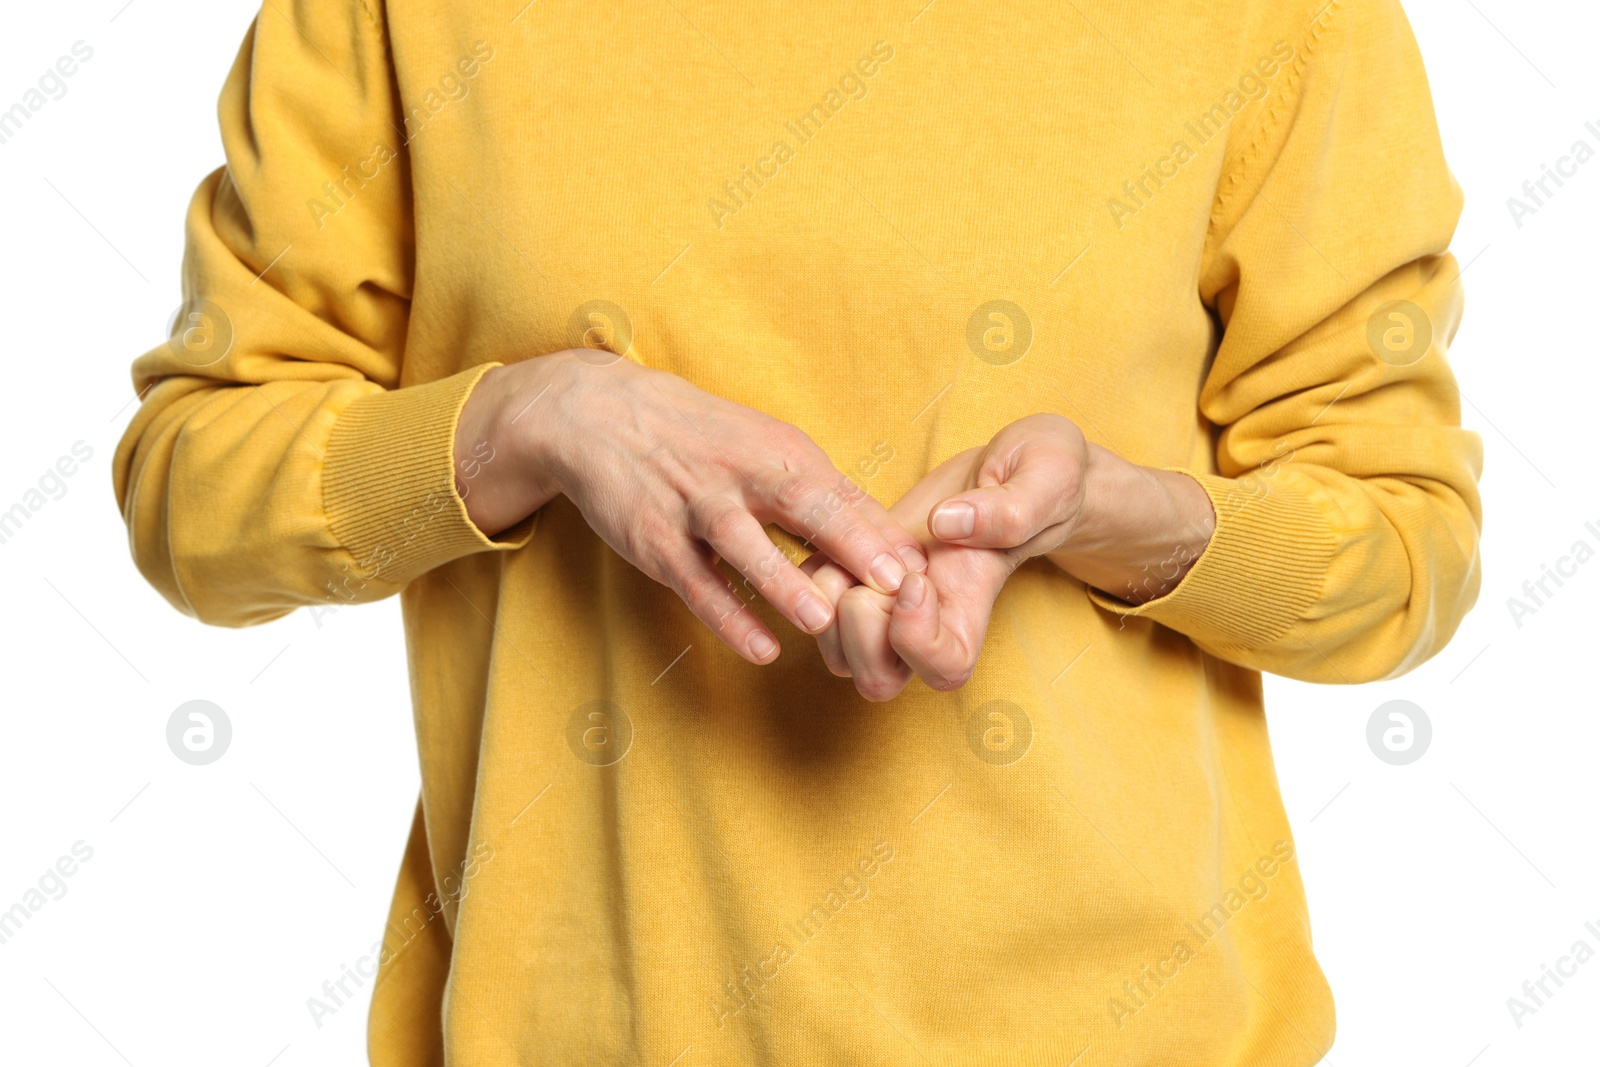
x=1214 y=235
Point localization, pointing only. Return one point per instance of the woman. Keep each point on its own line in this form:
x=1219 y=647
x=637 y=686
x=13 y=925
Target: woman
x=636 y=345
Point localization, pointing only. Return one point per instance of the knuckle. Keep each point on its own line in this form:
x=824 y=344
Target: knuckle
x=836 y=663
x=851 y=492
x=700 y=514
x=792 y=440
x=773 y=564
x=858 y=542
x=667 y=569
x=833 y=582
x=795 y=492
x=1015 y=520
x=722 y=525
x=862 y=602
x=829 y=512
x=685 y=585
x=704 y=588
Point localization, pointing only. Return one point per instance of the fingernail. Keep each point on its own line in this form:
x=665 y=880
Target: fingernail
x=953 y=522
x=814 y=614
x=762 y=647
x=888 y=572
x=911 y=592
x=915 y=561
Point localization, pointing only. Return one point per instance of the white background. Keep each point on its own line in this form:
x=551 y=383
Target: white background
x=220 y=898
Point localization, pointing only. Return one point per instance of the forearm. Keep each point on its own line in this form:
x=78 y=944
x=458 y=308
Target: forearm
x=1140 y=528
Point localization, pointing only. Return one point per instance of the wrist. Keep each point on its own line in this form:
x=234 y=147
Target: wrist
x=1141 y=529
x=1112 y=494
x=502 y=450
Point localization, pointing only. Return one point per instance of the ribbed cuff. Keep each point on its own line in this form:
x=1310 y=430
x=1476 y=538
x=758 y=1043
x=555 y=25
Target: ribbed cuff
x=389 y=482
x=1263 y=568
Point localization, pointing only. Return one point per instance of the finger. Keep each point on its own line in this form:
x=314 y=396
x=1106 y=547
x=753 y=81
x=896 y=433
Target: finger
x=812 y=460
x=905 y=544
x=919 y=636
x=695 y=578
x=818 y=561
x=811 y=508
x=834 y=581
x=952 y=476
x=739 y=538
x=1032 y=499
x=864 y=617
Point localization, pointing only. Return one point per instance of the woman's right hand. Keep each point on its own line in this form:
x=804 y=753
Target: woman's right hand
x=672 y=478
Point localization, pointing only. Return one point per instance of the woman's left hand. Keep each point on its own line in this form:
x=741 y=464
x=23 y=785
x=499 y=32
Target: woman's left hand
x=1038 y=488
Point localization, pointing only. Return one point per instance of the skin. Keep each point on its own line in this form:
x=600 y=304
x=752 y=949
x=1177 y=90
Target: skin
x=1037 y=489
x=672 y=478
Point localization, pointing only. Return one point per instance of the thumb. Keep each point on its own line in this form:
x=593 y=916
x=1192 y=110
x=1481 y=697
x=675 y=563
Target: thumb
x=1034 y=498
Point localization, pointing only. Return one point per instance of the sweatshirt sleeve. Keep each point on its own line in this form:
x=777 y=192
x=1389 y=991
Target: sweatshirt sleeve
x=1345 y=490
x=275 y=460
